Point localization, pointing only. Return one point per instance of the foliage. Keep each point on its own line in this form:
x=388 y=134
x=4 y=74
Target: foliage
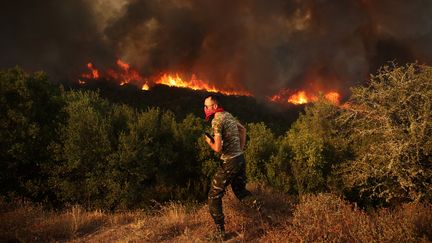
x=76 y=147
x=279 y=168
x=30 y=113
x=259 y=148
x=390 y=123
x=113 y=156
x=82 y=153
x=317 y=148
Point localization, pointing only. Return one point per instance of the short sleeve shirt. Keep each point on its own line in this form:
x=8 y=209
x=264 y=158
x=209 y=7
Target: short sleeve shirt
x=225 y=125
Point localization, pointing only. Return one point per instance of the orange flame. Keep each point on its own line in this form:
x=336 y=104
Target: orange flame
x=299 y=98
x=175 y=80
x=302 y=97
x=333 y=97
x=124 y=74
x=94 y=73
x=145 y=86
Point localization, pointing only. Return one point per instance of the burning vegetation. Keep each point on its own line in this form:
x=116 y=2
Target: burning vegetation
x=123 y=74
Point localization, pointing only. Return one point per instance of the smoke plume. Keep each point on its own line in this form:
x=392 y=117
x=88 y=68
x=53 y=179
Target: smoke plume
x=259 y=46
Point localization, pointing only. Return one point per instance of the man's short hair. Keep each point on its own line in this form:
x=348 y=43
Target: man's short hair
x=216 y=99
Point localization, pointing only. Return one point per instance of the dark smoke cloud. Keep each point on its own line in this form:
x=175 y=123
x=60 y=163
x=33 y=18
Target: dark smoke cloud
x=261 y=46
x=59 y=37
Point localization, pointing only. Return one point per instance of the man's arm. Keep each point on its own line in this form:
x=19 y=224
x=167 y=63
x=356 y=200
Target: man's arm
x=242 y=134
x=217 y=145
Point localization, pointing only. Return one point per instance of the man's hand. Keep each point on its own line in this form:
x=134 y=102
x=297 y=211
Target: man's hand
x=208 y=140
x=217 y=145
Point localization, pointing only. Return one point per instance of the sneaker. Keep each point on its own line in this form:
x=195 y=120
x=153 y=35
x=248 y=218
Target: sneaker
x=220 y=230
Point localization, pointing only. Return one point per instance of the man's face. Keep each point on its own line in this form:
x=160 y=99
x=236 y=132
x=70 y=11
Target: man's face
x=209 y=105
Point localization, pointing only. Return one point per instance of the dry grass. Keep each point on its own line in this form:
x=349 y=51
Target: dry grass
x=26 y=222
x=318 y=218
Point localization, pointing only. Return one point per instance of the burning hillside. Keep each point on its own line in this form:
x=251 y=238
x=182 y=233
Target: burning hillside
x=124 y=74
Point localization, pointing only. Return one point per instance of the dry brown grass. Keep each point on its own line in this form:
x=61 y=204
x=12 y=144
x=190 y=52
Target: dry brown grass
x=316 y=218
x=26 y=222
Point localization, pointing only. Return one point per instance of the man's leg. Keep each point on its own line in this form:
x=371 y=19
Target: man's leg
x=238 y=185
x=218 y=185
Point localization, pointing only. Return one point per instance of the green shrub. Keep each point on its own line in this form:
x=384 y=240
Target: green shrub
x=317 y=146
x=258 y=151
x=390 y=122
x=278 y=170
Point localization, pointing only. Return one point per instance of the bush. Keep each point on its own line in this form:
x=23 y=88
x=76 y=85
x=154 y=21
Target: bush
x=279 y=170
x=317 y=146
x=390 y=123
x=259 y=148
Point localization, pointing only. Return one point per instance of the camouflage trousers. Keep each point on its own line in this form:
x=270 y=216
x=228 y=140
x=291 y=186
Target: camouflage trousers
x=231 y=172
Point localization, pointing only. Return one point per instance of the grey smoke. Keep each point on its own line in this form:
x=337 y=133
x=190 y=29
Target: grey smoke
x=260 y=46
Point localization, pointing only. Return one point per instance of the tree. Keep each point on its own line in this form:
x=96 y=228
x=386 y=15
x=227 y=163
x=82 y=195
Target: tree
x=390 y=122
x=78 y=176
x=30 y=108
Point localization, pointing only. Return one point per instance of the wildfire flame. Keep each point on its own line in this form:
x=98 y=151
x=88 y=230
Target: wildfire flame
x=145 y=87
x=175 y=80
x=94 y=73
x=299 y=98
x=123 y=73
x=302 y=97
x=333 y=97
x=126 y=75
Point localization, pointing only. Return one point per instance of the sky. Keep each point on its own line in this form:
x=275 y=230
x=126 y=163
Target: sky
x=258 y=46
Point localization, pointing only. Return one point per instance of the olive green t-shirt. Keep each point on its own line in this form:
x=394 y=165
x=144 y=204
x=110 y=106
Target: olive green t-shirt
x=225 y=125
